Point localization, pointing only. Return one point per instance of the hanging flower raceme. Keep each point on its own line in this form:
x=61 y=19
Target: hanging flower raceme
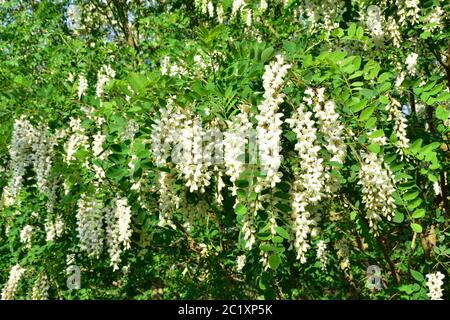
x=82 y=85
x=377 y=189
x=400 y=125
x=25 y=236
x=434 y=284
x=40 y=288
x=268 y=130
x=54 y=227
x=105 y=74
x=321 y=254
x=118 y=230
x=30 y=146
x=307 y=189
x=235 y=143
x=90 y=225
x=77 y=139
x=332 y=131
x=10 y=287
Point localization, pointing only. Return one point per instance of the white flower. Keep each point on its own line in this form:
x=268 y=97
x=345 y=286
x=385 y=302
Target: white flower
x=25 y=235
x=411 y=61
x=118 y=230
x=53 y=228
x=236 y=7
x=248 y=18
x=309 y=182
x=235 y=142
x=400 y=125
x=77 y=139
x=90 y=225
x=97 y=145
x=434 y=19
x=105 y=74
x=9 y=289
x=434 y=284
x=263 y=5
x=377 y=189
x=82 y=85
x=40 y=288
x=268 y=131
x=30 y=146
x=220 y=13
x=211 y=9
x=240 y=263
x=321 y=254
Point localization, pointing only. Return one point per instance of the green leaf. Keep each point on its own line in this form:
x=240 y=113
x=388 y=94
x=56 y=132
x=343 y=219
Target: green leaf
x=240 y=209
x=419 y=213
x=138 y=82
x=274 y=261
x=351 y=30
x=267 y=54
x=242 y=183
x=376 y=134
x=399 y=217
x=277 y=239
x=414 y=204
x=283 y=233
x=370 y=123
x=418 y=276
x=416 y=227
x=373 y=147
x=442 y=113
x=366 y=113
x=411 y=195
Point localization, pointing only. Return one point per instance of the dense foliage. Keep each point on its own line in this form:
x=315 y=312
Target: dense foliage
x=259 y=149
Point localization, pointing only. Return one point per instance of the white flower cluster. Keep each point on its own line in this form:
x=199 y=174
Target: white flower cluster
x=54 y=228
x=97 y=145
x=411 y=62
x=268 y=130
x=129 y=131
x=400 y=124
x=332 y=130
x=409 y=11
x=236 y=7
x=90 y=225
x=377 y=191
x=434 y=19
x=169 y=201
x=30 y=146
x=82 y=85
x=73 y=18
x=322 y=13
x=190 y=161
x=248 y=224
x=321 y=254
x=434 y=284
x=179 y=134
x=172 y=69
x=118 y=231
x=374 y=21
x=235 y=142
x=40 y=288
x=105 y=74
x=25 y=235
x=240 y=263
x=77 y=139
x=309 y=183
x=165 y=132
x=393 y=31
x=9 y=290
